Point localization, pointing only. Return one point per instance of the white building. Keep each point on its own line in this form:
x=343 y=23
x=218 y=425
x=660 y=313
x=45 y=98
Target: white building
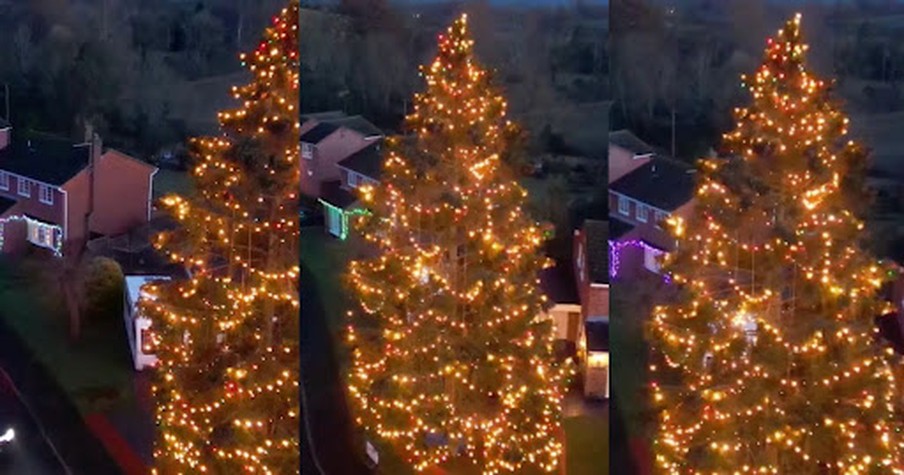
x=137 y=325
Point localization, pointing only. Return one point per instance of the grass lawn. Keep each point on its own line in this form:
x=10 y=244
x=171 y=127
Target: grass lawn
x=327 y=257
x=587 y=445
x=96 y=371
x=630 y=308
x=171 y=181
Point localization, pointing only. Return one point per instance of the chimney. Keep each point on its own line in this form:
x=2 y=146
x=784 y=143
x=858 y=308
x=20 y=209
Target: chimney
x=89 y=132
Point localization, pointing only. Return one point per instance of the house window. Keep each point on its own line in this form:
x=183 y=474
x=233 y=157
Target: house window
x=651 y=259
x=307 y=151
x=660 y=218
x=624 y=205
x=40 y=234
x=352 y=179
x=4 y=181
x=24 y=187
x=46 y=194
x=642 y=212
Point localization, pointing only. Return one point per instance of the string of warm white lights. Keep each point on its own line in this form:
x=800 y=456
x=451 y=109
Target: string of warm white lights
x=449 y=357
x=56 y=231
x=771 y=363
x=227 y=338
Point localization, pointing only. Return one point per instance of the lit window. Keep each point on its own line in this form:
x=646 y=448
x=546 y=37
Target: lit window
x=642 y=212
x=651 y=259
x=624 y=205
x=40 y=234
x=307 y=151
x=352 y=179
x=4 y=181
x=24 y=187
x=46 y=194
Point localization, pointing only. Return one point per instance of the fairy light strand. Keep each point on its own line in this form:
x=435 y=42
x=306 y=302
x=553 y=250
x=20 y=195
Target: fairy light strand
x=226 y=339
x=449 y=355
x=767 y=361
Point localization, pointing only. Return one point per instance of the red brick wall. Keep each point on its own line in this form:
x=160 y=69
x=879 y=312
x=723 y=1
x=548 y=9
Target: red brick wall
x=31 y=205
x=121 y=193
x=77 y=190
x=594 y=298
x=597 y=303
x=330 y=151
x=14 y=233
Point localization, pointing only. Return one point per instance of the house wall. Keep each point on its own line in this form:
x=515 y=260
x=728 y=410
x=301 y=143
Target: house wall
x=122 y=193
x=651 y=231
x=597 y=302
x=622 y=162
x=5 y=136
x=327 y=154
x=594 y=296
x=14 y=233
x=559 y=314
x=32 y=205
x=77 y=189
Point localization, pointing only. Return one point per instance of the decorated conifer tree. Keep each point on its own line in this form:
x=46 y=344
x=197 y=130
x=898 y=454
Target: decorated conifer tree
x=227 y=337
x=449 y=358
x=767 y=360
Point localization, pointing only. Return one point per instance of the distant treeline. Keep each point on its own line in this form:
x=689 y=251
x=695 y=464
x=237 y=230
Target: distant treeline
x=120 y=64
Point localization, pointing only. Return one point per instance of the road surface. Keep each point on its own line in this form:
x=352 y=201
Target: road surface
x=30 y=453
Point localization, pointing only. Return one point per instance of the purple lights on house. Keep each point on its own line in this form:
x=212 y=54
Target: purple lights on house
x=615 y=251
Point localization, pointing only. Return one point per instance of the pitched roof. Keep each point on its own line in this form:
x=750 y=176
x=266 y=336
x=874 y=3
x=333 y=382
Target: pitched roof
x=596 y=234
x=663 y=183
x=43 y=157
x=319 y=132
x=596 y=331
x=618 y=228
x=358 y=124
x=368 y=161
x=557 y=282
x=112 y=153
x=333 y=193
x=628 y=141
x=322 y=116
x=6 y=203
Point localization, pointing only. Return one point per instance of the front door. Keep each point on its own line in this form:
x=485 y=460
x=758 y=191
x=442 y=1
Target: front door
x=334 y=221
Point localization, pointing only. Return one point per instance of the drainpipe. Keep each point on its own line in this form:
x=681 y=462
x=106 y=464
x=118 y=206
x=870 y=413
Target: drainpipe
x=95 y=151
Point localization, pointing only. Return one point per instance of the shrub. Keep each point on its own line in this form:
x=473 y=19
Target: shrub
x=103 y=290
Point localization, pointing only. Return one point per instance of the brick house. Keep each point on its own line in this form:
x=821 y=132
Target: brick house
x=339 y=197
x=326 y=139
x=645 y=192
x=591 y=268
x=579 y=289
x=55 y=194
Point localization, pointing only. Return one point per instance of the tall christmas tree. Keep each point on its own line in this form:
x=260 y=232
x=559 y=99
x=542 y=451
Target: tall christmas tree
x=227 y=338
x=768 y=359
x=449 y=356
